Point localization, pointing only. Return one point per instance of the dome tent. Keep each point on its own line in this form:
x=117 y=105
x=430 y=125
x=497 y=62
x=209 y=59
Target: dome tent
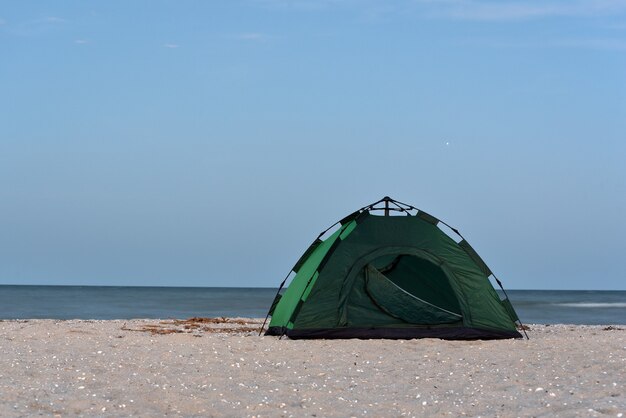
x=391 y=277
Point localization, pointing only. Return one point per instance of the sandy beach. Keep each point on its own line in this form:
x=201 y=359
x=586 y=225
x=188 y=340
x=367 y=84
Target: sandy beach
x=223 y=368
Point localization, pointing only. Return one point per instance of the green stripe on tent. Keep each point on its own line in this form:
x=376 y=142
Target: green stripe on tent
x=346 y=231
x=293 y=294
x=309 y=287
x=275 y=303
x=306 y=254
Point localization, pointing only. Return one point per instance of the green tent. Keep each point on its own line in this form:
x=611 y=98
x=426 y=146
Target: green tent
x=374 y=275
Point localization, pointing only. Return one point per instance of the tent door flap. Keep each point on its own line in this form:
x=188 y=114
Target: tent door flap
x=399 y=303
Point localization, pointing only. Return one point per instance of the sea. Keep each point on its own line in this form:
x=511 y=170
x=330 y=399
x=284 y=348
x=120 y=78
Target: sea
x=591 y=307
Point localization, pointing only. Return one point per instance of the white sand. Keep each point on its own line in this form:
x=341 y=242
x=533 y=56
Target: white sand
x=68 y=368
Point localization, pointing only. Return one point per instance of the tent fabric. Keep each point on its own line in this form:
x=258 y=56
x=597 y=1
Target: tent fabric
x=392 y=277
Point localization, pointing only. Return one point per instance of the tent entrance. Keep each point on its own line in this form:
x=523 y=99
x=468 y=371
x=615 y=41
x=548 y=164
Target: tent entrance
x=406 y=289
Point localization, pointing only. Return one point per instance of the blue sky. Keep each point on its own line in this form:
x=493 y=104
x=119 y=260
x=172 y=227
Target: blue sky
x=207 y=143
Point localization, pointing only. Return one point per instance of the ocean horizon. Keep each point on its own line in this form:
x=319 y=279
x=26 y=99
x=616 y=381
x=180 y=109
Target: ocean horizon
x=580 y=307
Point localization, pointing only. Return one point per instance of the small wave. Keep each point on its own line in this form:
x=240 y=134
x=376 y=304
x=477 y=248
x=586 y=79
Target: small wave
x=593 y=305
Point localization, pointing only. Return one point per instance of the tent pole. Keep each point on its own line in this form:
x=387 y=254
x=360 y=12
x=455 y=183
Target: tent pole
x=522 y=326
x=277 y=293
x=285 y=280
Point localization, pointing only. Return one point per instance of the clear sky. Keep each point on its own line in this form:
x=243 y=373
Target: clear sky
x=206 y=143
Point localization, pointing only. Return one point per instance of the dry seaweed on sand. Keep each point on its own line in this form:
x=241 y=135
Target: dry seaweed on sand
x=153 y=329
x=612 y=328
x=195 y=325
x=200 y=320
